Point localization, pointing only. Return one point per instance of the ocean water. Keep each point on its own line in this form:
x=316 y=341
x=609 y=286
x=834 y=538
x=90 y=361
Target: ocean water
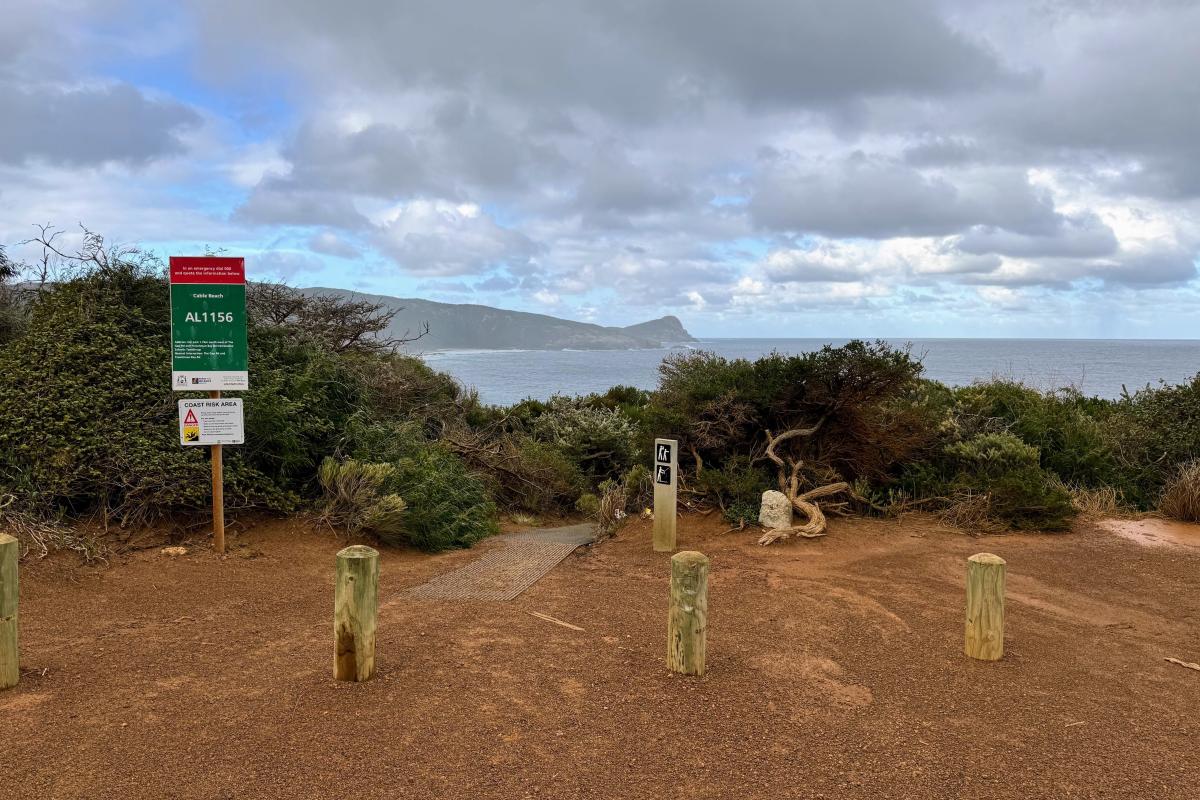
x=1095 y=366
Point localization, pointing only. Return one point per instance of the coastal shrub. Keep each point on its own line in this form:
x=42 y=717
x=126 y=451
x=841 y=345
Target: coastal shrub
x=639 y=487
x=1181 y=496
x=1152 y=433
x=87 y=418
x=300 y=401
x=448 y=506
x=588 y=504
x=540 y=478
x=1063 y=425
x=599 y=441
x=1008 y=472
x=355 y=498
x=852 y=398
x=738 y=482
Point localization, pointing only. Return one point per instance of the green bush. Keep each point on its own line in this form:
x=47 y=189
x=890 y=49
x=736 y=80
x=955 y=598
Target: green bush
x=542 y=479
x=448 y=507
x=355 y=497
x=1063 y=426
x=600 y=441
x=87 y=418
x=1020 y=492
x=1152 y=433
x=588 y=504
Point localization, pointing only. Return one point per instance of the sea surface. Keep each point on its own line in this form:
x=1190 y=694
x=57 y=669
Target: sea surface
x=1095 y=366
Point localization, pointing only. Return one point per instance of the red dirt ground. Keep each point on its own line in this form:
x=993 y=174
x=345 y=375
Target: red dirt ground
x=835 y=670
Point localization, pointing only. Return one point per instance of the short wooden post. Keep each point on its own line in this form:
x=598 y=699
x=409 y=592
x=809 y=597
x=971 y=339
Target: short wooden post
x=687 y=620
x=10 y=643
x=666 y=501
x=985 y=607
x=355 y=607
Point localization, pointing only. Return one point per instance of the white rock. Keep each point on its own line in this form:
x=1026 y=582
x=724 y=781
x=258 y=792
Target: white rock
x=776 y=511
x=174 y=551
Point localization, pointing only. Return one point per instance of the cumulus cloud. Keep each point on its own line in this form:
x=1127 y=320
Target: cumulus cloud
x=442 y=238
x=906 y=159
x=879 y=198
x=82 y=125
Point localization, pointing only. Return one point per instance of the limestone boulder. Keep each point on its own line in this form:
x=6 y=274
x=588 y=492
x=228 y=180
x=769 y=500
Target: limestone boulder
x=776 y=511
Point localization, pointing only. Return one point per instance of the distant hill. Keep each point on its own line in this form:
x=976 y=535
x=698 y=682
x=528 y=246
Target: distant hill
x=473 y=327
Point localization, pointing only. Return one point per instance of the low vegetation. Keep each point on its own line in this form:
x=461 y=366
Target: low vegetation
x=340 y=425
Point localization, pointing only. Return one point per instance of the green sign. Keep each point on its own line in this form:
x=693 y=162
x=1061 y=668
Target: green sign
x=208 y=324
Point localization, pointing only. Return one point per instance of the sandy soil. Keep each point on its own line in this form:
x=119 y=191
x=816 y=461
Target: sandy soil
x=835 y=671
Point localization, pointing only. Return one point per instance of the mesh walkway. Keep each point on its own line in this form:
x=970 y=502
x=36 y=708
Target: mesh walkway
x=506 y=571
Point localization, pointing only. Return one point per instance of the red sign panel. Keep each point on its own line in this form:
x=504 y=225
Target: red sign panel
x=207 y=269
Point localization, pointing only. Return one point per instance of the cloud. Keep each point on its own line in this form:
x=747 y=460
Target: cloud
x=874 y=197
x=1079 y=236
x=331 y=244
x=634 y=61
x=439 y=238
x=912 y=161
x=288 y=206
x=88 y=125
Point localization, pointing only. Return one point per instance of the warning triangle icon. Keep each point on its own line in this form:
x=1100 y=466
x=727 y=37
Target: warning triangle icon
x=190 y=419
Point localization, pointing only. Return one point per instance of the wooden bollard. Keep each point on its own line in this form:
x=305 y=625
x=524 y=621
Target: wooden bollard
x=10 y=643
x=355 y=607
x=687 y=620
x=985 y=607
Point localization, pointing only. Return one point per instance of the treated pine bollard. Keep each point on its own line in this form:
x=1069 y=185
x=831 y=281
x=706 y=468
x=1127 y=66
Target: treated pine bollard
x=10 y=644
x=985 y=607
x=355 y=607
x=687 y=619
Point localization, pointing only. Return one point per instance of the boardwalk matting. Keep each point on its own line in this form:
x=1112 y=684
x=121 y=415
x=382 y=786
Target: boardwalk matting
x=508 y=570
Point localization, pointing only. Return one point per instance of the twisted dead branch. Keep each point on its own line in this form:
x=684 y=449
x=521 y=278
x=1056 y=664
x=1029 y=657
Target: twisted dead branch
x=789 y=483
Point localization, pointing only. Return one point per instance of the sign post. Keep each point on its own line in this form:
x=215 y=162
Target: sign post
x=209 y=353
x=666 y=469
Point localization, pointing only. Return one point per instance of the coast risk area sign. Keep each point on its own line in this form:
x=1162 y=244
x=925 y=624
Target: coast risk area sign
x=215 y=421
x=208 y=323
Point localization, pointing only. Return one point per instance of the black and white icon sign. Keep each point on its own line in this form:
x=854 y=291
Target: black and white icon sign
x=663 y=454
x=662 y=474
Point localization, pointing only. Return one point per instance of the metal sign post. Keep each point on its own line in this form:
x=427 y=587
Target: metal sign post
x=209 y=353
x=666 y=469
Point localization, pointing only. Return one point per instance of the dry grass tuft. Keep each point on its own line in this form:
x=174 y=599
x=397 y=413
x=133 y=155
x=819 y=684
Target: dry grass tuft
x=524 y=520
x=970 y=512
x=40 y=538
x=1101 y=503
x=1181 y=496
x=611 y=516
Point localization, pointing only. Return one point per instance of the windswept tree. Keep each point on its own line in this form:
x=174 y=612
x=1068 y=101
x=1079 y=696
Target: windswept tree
x=818 y=421
x=339 y=323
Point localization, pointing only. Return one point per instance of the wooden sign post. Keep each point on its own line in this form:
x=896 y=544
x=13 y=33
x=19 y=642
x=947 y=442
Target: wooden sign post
x=218 y=491
x=666 y=477
x=209 y=353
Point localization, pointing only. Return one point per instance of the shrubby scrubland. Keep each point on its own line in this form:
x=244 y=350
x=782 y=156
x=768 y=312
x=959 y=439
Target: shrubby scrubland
x=368 y=440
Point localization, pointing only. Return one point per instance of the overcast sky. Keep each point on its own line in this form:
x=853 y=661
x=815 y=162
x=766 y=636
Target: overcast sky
x=756 y=167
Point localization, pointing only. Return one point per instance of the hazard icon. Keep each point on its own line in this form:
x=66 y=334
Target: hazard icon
x=191 y=427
